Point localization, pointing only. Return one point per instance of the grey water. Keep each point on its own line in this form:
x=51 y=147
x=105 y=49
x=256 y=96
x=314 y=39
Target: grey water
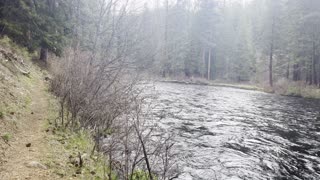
x=227 y=133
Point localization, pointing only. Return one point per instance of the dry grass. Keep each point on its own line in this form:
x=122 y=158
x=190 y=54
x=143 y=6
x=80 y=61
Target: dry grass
x=300 y=89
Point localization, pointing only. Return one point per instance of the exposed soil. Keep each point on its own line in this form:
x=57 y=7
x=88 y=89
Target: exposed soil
x=29 y=146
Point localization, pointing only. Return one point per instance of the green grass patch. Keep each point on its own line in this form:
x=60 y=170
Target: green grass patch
x=142 y=175
x=75 y=144
x=6 y=137
x=80 y=141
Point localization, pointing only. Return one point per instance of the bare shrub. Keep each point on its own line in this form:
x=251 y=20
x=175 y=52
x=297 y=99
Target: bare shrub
x=100 y=90
x=111 y=104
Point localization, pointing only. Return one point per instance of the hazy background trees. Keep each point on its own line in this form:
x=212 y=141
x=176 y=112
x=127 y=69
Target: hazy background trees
x=259 y=41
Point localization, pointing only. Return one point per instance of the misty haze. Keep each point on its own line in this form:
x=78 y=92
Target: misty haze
x=160 y=89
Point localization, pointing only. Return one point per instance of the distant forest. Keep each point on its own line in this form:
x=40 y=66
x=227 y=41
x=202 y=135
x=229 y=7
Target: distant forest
x=261 y=41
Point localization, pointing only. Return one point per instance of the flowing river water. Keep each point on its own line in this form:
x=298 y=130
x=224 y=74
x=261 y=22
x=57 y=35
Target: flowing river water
x=226 y=133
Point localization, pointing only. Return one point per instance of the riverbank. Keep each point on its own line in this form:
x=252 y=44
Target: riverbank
x=294 y=89
x=212 y=83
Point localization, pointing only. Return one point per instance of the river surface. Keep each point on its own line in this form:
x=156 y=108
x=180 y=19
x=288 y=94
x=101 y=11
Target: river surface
x=225 y=133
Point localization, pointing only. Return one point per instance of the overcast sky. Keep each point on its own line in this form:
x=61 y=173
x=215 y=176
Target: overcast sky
x=139 y=4
x=152 y=3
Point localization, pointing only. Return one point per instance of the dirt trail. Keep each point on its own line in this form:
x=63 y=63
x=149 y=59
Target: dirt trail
x=19 y=158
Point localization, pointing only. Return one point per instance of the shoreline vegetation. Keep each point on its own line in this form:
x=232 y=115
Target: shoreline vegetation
x=283 y=87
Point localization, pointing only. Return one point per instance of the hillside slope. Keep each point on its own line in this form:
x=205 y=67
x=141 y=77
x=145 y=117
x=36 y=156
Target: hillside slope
x=24 y=113
x=31 y=146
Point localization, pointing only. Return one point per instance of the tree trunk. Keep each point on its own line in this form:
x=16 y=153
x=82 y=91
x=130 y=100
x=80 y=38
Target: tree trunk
x=209 y=65
x=318 y=71
x=309 y=77
x=296 y=72
x=271 y=65
x=44 y=54
x=165 y=50
x=288 y=70
x=271 y=54
x=204 y=63
x=314 y=63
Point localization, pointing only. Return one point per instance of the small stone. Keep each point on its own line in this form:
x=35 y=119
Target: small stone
x=28 y=145
x=35 y=164
x=61 y=174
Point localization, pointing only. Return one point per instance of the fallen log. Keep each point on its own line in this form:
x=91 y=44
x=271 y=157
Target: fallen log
x=16 y=61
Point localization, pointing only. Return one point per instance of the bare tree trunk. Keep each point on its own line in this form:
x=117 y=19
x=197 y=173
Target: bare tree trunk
x=296 y=72
x=204 y=62
x=314 y=63
x=145 y=154
x=44 y=54
x=110 y=165
x=209 y=65
x=318 y=71
x=309 y=74
x=271 y=54
x=271 y=66
x=165 y=50
x=288 y=70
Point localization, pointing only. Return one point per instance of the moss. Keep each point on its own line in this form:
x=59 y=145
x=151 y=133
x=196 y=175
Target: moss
x=6 y=137
x=142 y=175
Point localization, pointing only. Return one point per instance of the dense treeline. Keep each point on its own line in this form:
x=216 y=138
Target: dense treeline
x=263 y=41
x=36 y=24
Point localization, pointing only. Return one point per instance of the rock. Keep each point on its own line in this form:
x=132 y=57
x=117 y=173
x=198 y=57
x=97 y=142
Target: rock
x=78 y=171
x=61 y=174
x=28 y=145
x=35 y=164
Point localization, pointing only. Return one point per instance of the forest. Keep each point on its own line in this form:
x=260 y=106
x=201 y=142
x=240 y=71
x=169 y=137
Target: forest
x=110 y=65
x=263 y=42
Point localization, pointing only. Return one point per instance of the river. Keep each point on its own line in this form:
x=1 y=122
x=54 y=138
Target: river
x=226 y=133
